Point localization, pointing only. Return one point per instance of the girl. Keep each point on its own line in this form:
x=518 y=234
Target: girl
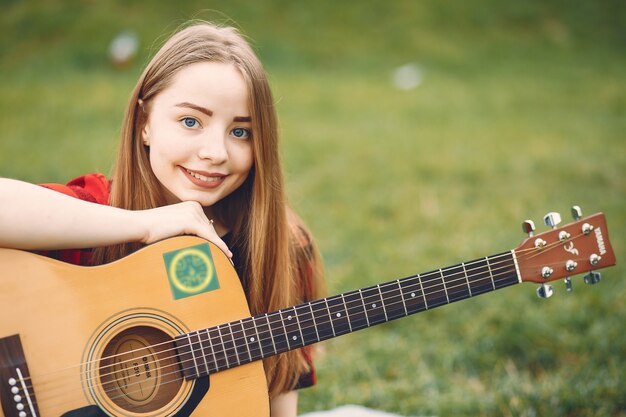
x=198 y=155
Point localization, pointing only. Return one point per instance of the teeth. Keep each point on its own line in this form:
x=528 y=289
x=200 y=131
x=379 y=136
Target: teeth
x=203 y=178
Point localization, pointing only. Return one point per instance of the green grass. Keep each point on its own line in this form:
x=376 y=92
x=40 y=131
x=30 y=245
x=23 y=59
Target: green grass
x=522 y=110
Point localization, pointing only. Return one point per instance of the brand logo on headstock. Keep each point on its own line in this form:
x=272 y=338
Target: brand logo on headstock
x=569 y=247
x=600 y=241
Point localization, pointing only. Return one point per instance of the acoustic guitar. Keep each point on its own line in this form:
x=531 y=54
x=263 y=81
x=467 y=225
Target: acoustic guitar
x=166 y=331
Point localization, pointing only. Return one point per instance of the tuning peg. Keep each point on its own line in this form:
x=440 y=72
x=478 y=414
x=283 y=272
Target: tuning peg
x=568 y=284
x=577 y=213
x=545 y=291
x=528 y=227
x=592 y=278
x=552 y=219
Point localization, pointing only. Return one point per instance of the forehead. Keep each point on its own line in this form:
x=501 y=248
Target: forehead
x=208 y=83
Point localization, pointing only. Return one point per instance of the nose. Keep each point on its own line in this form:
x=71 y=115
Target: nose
x=212 y=147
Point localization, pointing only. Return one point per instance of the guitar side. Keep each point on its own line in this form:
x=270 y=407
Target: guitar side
x=66 y=318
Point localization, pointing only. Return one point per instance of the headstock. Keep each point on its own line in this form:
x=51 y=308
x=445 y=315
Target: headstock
x=582 y=246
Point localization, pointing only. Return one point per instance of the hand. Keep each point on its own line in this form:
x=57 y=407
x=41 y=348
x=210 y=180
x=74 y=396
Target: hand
x=186 y=218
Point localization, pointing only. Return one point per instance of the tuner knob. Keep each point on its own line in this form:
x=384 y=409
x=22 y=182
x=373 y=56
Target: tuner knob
x=552 y=219
x=545 y=291
x=592 y=278
x=577 y=213
x=568 y=284
x=528 y=226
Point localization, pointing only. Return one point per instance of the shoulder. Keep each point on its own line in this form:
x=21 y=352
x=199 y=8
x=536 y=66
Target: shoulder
x=91 y=187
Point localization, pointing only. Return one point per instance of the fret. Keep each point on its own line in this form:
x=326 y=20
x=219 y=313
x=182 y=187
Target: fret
x=219 y=351
x=373 y=305
x=206 y=340
x=233 y=338
x=338 y=317
x=419 y=279
x=469 y=289
x=241 y=343
x=434 y=291
x=406 y=311
x=364 y=308
x=443 y=282
x=382 y=299
x=307 y=324
x=279 y=333
x=229 y=346
x=192 y=338
x=493 y=284
x=322 y=319
x=251 y=336
x=412 y=294
x=292 y=328
x=330 y=317
x=183 y=349
x=393 y=300
x=345 y=309
x=456 y=283
x=266 y=336
x=479 y=276
x=314 y=321
x=356 y=310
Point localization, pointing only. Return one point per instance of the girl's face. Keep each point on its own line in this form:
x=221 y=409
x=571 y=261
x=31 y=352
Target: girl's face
x=199 y=132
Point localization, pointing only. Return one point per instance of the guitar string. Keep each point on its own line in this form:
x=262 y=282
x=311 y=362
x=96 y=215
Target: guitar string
x=176 y=371
x=219 y=337
x=236 y=339
x=395 y=283
x=425 y=275
x=389 y=283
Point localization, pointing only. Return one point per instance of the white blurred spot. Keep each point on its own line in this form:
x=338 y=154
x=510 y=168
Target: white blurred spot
x=123 y=48
x=407 y=77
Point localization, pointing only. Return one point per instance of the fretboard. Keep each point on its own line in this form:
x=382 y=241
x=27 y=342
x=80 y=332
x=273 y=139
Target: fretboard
x=236 y=343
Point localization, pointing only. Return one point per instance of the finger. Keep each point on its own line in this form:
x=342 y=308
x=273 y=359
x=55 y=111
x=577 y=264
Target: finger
x=215 y=239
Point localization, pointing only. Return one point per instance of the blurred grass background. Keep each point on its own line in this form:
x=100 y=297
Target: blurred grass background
x=519 y=110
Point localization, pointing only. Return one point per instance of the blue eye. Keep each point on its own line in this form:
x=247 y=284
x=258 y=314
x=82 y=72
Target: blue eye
x=240 y=133
x=190 y=122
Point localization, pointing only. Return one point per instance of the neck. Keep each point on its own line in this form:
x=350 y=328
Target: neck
x=232 y=344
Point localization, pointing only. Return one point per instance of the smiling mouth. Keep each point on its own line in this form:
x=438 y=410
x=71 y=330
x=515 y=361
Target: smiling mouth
x=204 y=178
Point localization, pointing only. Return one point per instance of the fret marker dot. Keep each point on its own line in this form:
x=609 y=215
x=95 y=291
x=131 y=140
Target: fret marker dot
x=412 y=294
x=338 y=314
x=252 y=339
x=295 y=338
x=288 y=317
x=374 y=305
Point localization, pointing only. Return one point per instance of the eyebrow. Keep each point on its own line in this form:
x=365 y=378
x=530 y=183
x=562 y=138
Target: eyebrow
x=210 y=112
x=195 y=107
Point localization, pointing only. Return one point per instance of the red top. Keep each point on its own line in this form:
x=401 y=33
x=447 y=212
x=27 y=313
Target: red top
x=94 y=188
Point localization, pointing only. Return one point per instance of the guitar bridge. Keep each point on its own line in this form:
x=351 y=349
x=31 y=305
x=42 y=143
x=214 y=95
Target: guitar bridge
x=17 y=395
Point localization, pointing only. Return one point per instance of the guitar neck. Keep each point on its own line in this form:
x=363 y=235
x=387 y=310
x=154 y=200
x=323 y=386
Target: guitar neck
x=236 y=343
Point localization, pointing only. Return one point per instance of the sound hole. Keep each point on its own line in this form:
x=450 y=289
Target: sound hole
x=139 y=370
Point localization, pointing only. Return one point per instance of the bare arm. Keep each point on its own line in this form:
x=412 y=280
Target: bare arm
x=33 y=217
x=285 y=405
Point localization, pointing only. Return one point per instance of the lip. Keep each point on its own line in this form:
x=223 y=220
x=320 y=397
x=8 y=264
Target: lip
x=218 y=178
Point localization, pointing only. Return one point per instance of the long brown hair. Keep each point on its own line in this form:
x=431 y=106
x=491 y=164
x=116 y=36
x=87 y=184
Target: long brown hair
x=280 y=267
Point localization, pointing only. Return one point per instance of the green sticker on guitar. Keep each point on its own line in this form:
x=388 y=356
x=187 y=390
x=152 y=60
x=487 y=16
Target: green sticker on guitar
x=191 y=271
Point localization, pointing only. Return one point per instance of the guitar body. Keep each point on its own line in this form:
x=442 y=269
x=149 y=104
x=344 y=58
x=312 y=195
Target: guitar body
x=74 y=337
